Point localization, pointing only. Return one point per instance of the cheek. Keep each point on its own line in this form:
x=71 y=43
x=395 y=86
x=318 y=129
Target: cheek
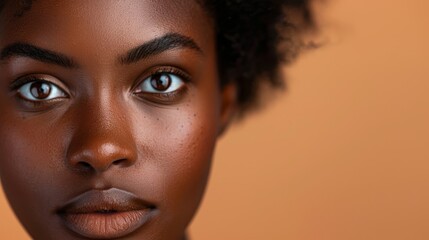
x=28 y=172
x=177 y=152
x=24 y=157
x=189 y=151
x=186 y=167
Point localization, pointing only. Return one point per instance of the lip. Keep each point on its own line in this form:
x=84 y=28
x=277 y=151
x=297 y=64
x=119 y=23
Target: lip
x=105 y=214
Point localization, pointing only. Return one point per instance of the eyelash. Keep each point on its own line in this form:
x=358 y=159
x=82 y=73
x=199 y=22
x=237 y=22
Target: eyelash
x=169 y=70
x=166 y=97
x=161 y=98
x=14 y=86
x=34 y=105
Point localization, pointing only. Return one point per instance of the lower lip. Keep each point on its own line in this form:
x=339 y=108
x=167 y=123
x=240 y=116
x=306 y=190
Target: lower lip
x=106 y=225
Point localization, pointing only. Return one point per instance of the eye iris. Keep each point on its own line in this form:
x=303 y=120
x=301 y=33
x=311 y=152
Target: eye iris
x=40 y=90
x=160 y=82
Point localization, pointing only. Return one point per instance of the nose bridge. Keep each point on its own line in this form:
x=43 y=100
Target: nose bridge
x=102 y=136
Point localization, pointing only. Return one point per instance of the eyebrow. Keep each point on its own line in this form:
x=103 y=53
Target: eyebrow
x=37 y=53
x=153 y=47
x=158 y=45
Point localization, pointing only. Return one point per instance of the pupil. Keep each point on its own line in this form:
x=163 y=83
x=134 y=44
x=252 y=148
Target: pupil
x=161 y=82
x=40 y=90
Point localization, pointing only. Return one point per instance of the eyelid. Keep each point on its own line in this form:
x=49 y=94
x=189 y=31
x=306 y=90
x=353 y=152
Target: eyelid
x=186 y=77
x=15 y=85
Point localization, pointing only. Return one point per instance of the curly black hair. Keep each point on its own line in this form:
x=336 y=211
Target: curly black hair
x=255 y=38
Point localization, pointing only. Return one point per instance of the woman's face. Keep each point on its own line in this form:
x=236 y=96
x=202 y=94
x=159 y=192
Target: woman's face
x=109 y=114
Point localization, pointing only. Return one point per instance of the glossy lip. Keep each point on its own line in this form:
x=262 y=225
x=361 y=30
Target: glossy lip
x=105 y=214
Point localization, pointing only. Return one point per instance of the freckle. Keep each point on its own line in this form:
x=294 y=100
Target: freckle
x=195 y=114
x=157 y=119
x=177 y=109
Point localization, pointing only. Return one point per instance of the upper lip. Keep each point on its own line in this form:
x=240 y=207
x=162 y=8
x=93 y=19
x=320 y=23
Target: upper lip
x=104 y=201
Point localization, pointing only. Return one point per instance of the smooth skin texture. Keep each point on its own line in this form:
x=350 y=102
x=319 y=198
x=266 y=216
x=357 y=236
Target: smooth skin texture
x=98 y=123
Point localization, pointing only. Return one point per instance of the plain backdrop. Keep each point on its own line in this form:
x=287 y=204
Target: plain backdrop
x=343 y=154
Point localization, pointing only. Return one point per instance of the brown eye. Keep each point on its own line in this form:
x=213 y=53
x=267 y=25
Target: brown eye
x=40 y=91
x=160 y=82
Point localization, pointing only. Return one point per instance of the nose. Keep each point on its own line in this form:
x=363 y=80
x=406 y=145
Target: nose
x=101 y=139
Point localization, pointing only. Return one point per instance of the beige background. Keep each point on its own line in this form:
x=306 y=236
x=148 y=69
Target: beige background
x=344 y=154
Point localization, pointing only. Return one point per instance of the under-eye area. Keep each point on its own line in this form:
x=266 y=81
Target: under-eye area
x=38 y=92
x=164 y=85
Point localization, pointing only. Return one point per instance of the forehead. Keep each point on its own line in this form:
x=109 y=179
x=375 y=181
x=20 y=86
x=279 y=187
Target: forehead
x=110 y=24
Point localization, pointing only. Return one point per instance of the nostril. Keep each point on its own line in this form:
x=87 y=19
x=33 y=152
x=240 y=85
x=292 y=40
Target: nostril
x=97 y=157
x=119 y=162
x=85 y=166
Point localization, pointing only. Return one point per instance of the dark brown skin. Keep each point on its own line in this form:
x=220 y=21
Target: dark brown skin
x=94 y=126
